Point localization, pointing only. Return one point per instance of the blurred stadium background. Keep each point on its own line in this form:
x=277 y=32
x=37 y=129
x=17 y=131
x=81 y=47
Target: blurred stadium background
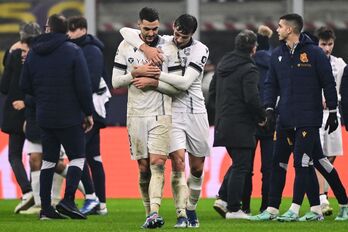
x=219 y=22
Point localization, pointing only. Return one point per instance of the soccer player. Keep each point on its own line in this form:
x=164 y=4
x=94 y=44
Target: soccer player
x=299 y=71
x=148 y=111
x=92 y=48
x=190 y=122
x=331 y=143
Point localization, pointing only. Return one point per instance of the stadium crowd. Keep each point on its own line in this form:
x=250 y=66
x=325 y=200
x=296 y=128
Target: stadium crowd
x=285 y=98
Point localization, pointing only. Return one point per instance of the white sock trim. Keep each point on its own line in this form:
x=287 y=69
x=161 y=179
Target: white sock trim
x=47 y=165
x=98 y=158
x=80 y=162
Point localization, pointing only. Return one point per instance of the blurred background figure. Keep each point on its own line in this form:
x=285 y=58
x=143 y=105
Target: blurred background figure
x=92 y=48
x=331 y=143
x=234 y=89
x=13 y=111
x=263 y=136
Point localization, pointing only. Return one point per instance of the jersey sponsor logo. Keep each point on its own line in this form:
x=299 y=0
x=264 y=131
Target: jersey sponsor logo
x=131 y=60
x=304 y=65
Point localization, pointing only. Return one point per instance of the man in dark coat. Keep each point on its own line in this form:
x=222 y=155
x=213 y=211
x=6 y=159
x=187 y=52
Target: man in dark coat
x=263 y=136
x=56 y=73
x=238 y=111
x=13 y=111
x=299 y=72
x=92 y=48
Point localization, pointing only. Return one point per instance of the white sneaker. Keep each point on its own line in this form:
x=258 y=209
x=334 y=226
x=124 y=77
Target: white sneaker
x=326 y=209
x=35 y=209
x=102 y=212
x=26 y=202
x=221 y=207
x=237 y=215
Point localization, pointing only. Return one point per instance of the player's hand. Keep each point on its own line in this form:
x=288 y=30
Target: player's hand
x=144 y=82
x=146 y=70
x=155 y=55
x=88 y=123
x=18 y=105
x=331 y=122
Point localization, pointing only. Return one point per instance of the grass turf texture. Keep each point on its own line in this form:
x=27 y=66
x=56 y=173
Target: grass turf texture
x=128 y=215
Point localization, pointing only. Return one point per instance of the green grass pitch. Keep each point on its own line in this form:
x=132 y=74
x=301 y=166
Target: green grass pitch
x=128 y=215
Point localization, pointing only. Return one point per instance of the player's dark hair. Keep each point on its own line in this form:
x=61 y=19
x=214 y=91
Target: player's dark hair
x=325 y=33
x=295 y=20
x=77 y=22
x=149 y=14
x=245 y=41
x=186 y=24
x=57 y=23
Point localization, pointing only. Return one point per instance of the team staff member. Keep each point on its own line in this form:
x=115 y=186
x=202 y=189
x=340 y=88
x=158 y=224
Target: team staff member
x=56 y=74
x=299 y=71
x=92 y=48
x=238 y=110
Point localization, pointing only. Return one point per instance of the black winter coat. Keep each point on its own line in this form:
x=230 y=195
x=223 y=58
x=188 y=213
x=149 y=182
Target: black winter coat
x=12 y=119
x=92 y=49
x=55 y=72
x=32 y=129
x=238 y=108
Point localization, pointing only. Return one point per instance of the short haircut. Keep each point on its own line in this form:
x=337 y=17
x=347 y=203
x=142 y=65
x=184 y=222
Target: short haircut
x=186 y=24
x=295 y=20
x=77 y=22
x=149 y=14
x=245 y=41
x=325 y=33
x=58 y=23
x=29 y=31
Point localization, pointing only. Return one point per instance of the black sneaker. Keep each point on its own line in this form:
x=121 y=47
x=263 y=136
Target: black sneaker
x=70 y=210
x=50 y=214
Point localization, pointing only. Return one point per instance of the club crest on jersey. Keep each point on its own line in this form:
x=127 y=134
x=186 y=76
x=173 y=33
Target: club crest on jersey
x=135 y=49
x=303 y=57
x=131 y=60
x=280 y=58
x=187 y=51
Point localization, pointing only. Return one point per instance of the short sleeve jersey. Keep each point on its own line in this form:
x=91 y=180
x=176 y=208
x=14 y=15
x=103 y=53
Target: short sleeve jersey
x=337 y=65
x=195 y=55
x=146 y=102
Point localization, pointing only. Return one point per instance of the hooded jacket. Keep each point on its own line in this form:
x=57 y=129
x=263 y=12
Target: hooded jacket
x=238 y=108
x=92 y=49
x=299 y=78
x=55 y=73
